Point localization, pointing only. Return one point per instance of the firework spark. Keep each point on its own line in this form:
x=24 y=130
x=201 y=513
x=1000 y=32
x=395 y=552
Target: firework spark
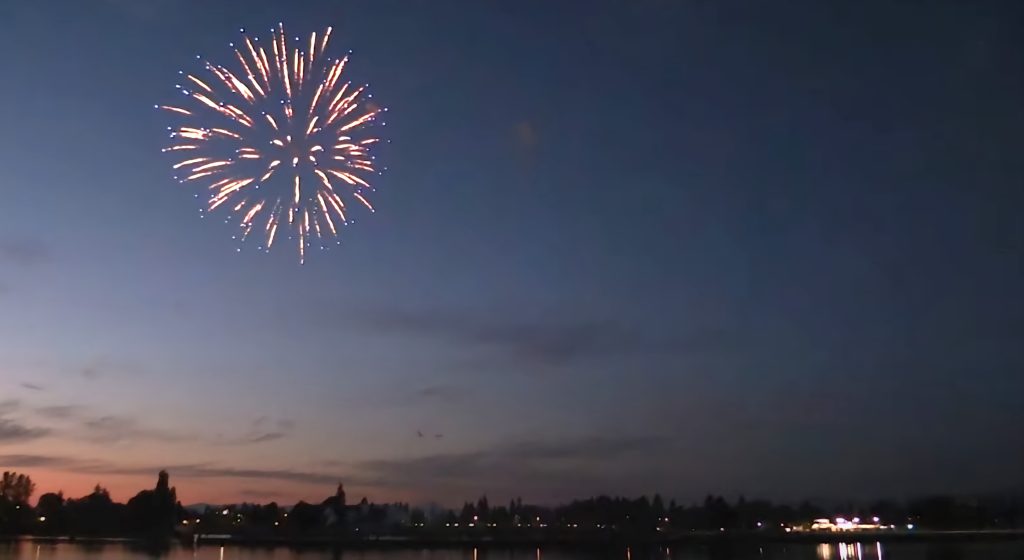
x=267 y=137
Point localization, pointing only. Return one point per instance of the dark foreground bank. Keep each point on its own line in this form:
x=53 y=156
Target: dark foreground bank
x=535 y=541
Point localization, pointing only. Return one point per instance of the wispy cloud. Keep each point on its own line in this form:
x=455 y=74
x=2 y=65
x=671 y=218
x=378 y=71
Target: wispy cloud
x=18 y=460
x=81 y=423
x=261 y=430
x=213 y=471
x=14 y=431
x=551 y=342
x=442 y=393
x=261 y=438
x=176 y=470
x=282 y=424
x=9 y=405
x=566 y=463
x=521 y=453
x=566 y=467
x=111 y=429
x=103 y=366
x=101 y=429
x=59 y=412
x=32 y=387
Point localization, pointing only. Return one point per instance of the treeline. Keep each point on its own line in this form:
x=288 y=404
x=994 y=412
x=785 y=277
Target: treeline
x=157 y=512
x=150 y=512
x=715 y=513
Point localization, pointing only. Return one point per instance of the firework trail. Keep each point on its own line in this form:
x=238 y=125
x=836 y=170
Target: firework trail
x=279 y=141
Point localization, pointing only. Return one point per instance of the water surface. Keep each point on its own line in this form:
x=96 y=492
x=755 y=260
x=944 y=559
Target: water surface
x=30 y=550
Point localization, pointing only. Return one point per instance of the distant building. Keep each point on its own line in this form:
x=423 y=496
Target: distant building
x=335 y=510
x=841 y=524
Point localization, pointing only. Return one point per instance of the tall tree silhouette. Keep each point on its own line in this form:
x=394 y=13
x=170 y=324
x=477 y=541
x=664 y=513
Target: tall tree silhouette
x=154 y=511
x=16 y=488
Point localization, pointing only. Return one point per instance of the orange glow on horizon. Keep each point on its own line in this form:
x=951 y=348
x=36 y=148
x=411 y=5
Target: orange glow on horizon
x=192 y=490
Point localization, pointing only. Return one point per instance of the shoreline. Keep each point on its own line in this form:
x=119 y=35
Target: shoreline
x=554 y=541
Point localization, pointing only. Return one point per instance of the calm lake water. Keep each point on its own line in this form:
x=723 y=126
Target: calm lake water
x=28 y=550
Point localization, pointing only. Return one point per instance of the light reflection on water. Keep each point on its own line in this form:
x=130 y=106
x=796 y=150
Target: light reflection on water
x=29 y=550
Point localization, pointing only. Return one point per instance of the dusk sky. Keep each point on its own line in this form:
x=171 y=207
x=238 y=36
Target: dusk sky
x=771 y=249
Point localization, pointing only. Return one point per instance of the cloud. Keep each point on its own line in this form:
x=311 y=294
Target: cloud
x=59 y=412
x=102 y=366
x=9 y=405
x=258 y=432
x=567 y=466
x=37 y=461
x=23 y=252
x=32 y=387
x=81 y=424
x=269 y=436
x=180 y=470
x=284 y=424
x=111 y=429
x=583 y=464
x=211 y=471
x=99 y=429
x=536 y=343
x=11 y=431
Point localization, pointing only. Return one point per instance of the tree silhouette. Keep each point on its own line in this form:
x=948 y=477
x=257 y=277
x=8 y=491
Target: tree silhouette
x=305 y=516
x=658 y=506
x=95 y=514
x=483 y=509
x=50 y=504
x=154 y=511
x=16 y=488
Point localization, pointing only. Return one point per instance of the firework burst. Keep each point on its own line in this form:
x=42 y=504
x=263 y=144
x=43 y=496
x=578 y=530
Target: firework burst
x=279 y=141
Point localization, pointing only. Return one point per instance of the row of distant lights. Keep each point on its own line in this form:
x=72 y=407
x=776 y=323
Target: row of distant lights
x=227 y=512
x=844 y=524
x=840 y=521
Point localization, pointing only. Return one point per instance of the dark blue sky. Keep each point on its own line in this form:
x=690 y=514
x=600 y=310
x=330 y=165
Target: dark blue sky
x=622 y=247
